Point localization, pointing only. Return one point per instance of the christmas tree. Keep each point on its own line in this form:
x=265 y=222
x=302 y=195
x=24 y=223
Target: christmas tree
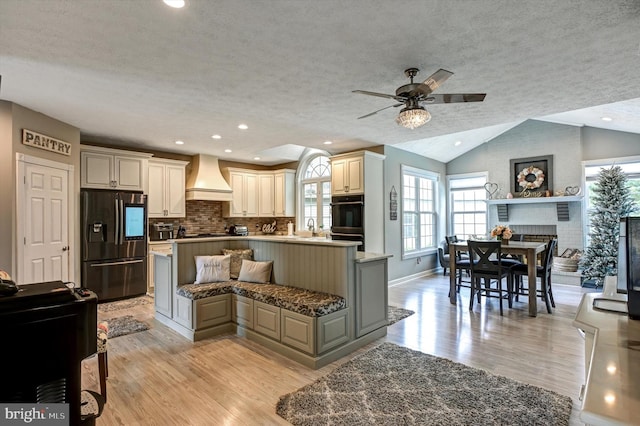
x=611 y=201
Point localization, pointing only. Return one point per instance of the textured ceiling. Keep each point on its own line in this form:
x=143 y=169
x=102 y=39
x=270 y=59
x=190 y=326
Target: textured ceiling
x=146 y=75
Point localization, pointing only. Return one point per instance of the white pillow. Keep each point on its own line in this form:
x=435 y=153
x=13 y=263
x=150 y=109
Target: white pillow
x=255 y=272
x=210 y=269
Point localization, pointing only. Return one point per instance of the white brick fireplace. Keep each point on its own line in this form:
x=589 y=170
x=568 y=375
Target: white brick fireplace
x=540 y=216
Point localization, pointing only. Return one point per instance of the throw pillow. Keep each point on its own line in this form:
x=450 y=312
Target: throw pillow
x=210 y=269
x=237 y=256
x=255 y=272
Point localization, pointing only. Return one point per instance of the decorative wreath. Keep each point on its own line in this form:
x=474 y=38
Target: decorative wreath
x=531 y=178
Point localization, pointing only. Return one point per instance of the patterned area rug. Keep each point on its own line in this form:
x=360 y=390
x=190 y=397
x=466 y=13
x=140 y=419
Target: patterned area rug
x=125 y=304
x=120 y=326
x=396 y=314
x=392 y=385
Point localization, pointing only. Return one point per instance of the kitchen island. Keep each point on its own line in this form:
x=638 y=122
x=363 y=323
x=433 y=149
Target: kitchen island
x=312 y=265
x=611 y=394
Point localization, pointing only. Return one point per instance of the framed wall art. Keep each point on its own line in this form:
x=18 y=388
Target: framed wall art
x=534 y=174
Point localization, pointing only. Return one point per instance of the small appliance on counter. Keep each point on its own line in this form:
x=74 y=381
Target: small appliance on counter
x=161 y=231
x=238 y=230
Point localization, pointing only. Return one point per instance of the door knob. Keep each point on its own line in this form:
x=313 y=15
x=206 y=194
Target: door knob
x=65 y=248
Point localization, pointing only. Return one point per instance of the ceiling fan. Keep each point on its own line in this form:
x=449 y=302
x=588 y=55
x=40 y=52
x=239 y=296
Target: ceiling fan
x=414 y=95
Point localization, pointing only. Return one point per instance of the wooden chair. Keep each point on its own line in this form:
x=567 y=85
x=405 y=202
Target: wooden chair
x=462 y=263
x=543 y=272
x=488 y=268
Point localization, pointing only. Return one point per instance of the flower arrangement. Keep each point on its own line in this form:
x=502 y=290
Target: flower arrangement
x=502 y=232
x=530 y=178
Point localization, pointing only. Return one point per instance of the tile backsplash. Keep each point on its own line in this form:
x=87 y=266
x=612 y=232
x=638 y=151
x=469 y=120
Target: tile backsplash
x=206 y=217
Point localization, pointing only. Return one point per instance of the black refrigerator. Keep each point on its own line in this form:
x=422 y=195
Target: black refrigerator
x=114 y=243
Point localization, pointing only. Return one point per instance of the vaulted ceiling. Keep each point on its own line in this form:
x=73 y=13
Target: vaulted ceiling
x=139 y=73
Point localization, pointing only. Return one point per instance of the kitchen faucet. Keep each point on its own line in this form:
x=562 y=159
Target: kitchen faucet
x=311 y=224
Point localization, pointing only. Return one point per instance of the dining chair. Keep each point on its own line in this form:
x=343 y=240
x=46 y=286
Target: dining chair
x=543 y=272
x=488 y=268
x=462 y=263
x=443 y=256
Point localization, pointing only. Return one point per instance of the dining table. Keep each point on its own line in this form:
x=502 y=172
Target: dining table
x=528 y=249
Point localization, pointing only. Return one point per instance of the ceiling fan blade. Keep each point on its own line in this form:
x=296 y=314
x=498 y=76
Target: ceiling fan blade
x=382 y=109
x=454 y=98
x=432 y=82
x=380 y=95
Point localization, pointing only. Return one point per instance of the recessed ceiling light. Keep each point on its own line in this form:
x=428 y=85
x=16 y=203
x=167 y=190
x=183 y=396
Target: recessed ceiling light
x=607 y=119
x=458 y=143
x=256 y=158
x=216 y=137
x=227 y=150
x=327 y=142
x=179 y=143
x=243 y=126
x=177 y=4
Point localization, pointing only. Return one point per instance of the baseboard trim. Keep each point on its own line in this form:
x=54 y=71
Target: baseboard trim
x=408 y=278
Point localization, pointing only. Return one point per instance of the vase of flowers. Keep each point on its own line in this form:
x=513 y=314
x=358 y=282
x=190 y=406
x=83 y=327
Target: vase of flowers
x=502 y=233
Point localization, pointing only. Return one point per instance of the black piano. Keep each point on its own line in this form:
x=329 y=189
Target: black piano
x=46 y=330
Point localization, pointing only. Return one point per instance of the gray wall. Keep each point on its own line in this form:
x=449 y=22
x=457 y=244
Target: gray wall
x=529 y=139
x=600 y=143
x=14 y=118
x=393 y=242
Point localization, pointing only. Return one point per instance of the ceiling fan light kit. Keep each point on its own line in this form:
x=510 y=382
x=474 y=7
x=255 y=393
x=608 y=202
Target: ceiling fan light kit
x=413 y=118
x=413 y=95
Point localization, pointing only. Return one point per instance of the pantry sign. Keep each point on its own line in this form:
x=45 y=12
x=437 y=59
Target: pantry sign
x=47 y=143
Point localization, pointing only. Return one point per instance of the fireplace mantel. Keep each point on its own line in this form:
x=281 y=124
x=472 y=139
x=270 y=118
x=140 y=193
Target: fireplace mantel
x=562 y=204
x=531 y=200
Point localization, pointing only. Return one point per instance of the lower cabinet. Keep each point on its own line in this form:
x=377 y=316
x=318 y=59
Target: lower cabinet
x=163 y=293
x=212 y=311
x=371 y=296
x=297 y=331
x=242 y=311
x=266 y=319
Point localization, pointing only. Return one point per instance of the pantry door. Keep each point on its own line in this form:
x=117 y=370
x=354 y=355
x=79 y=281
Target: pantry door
x=43 y=221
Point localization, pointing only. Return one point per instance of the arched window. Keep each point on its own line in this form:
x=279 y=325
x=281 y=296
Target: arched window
x=315 y=193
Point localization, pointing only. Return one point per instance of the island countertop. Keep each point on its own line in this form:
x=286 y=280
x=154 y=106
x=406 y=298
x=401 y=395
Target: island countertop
x=279 y=238
x=612 y=390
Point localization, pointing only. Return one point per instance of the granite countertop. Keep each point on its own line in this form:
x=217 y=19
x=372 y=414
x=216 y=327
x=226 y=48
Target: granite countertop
x=612 y=391
x=279 y=238
x=363 y=256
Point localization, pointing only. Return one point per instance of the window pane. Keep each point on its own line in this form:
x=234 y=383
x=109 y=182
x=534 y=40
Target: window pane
x=409 y=231
x=468 y=208
x=310 y=202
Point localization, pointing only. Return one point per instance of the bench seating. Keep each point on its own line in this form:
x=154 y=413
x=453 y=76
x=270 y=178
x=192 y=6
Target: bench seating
x=305 y=302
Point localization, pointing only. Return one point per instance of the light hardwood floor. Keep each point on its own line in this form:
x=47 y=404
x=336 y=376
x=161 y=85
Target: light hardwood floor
x=157 y=377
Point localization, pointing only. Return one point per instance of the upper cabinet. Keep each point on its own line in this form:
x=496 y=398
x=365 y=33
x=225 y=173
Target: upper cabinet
x=284 y=193
x=244 y=199
x=166 y=195
x=105 y=168
x=347 y=174
x=260 y=193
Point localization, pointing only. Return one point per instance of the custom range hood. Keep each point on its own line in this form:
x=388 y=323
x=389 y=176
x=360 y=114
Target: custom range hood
x=205 y=181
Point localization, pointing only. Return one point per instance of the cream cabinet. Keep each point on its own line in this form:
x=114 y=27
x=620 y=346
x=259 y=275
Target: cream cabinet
x=105 y=168
x=266 y=205
x=162 y=292
x=166 y=194
x=347 y=175
x=260 y=193
x=244 y=199
x=284 y=193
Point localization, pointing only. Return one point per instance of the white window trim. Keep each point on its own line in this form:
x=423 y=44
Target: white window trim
x=427 y=175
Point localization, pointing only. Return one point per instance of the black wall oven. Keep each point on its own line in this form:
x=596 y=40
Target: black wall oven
x=347 y=218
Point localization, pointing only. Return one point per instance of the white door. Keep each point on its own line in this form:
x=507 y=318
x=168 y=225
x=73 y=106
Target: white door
x=45 y=226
